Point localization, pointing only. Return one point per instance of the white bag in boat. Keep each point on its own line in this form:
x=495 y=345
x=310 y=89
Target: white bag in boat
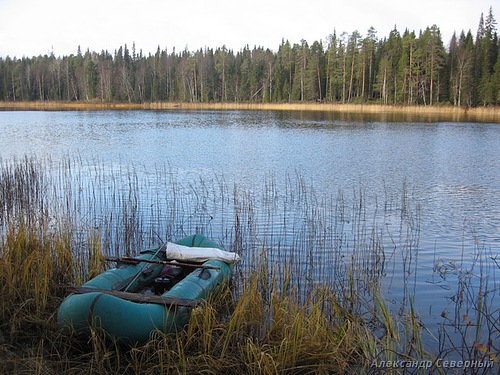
x=199 y=254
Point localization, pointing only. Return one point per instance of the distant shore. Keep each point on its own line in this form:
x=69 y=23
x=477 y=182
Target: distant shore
x=451 y=113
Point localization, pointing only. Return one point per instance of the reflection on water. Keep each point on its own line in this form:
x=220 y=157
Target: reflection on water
x=413 y=205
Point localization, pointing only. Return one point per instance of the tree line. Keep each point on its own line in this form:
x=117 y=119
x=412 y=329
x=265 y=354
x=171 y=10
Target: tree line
x=402 y=68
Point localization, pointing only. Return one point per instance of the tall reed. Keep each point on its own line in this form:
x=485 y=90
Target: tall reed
x=308 y=295
x=385 y=112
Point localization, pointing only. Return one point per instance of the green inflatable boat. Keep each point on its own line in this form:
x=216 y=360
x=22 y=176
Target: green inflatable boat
x=154 y=291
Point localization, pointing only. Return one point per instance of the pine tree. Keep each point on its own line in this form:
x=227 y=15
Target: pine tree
x=333 y=69
x=352 y=62
x=487 y=51
x=406 y=69
x=314 y=84
x=368 y=46
x=300 y=65
x=495 y=81
x=461 y=63
x=221 y=55
x=387 y=79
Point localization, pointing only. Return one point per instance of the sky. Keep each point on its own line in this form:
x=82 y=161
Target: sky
x=37 y=27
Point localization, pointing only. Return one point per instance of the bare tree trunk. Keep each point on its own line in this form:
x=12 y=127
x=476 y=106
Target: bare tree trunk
x=270 y=81
x=410 y=79
x=384 y=86
x=13 y=85
x=344 y=73
x=351 y=80
x=363 y=78
x=431 y=89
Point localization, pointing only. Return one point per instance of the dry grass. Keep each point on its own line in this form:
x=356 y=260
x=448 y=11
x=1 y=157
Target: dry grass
x=267 y=323
x=385 y=112
x=272 y=320
x=260 y=331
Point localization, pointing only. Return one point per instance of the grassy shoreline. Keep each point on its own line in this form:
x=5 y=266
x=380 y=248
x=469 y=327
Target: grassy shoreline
x=59 y=220
x=264 y=323
x=451 y=113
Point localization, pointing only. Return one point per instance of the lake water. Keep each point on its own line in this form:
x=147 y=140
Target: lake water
x=444 y=176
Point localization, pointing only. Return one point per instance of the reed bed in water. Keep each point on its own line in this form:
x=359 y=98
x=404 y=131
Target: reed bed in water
x=307 y=297
x=426 y=113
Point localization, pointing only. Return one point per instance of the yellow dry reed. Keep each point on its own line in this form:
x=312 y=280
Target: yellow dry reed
x=265 y=325
x=441 y=112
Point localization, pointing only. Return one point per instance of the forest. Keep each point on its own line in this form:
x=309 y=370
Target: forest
x=402 y=68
